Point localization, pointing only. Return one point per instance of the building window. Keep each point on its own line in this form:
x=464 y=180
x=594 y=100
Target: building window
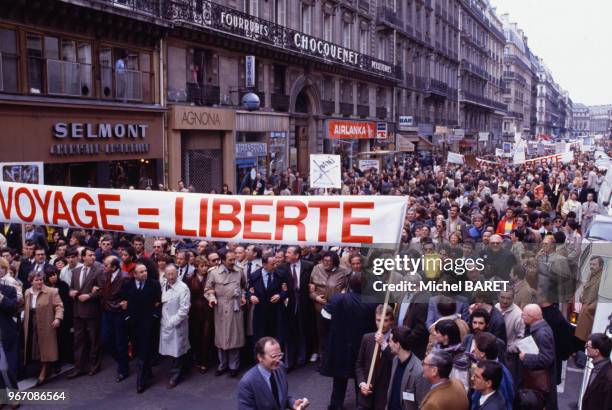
x=306 y=18
x=281 y=12
x=125 y=74
x=280 y=74
x=346 y=34
x=364 y=41
x=8 y=61
x=252 y=7
x=59 y=66
x=328 y=32
x=382 y=47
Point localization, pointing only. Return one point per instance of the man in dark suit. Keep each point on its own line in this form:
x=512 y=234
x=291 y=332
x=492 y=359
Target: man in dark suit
x=486 y=379
x=374 y=396
x=87 y=281
x=265 y=386
x=26 y=263
x=266 y=294
x=114 y=336
x=38 y=264
x=141 y=299
x=33 y=234
x=412 y=313
x=495 y=321
x=480 y=322
x=299 y=310
x=9 y=336
x=598 y=393
x=12 y=233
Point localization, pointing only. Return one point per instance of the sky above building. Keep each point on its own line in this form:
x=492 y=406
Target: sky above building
x=573 y=38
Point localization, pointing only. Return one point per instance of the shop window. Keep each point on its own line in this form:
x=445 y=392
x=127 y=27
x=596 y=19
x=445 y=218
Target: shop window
x=8 y=61
x=35 y=63
x=364 y=42
x=346 y=34
x=252 y=7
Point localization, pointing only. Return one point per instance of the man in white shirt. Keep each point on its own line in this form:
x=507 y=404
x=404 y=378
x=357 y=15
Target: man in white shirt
x=72 y=256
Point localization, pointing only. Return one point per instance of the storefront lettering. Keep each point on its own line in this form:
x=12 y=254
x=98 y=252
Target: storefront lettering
x=78 y=130
x=96 y=148
x=325 y=49
x=203 y=118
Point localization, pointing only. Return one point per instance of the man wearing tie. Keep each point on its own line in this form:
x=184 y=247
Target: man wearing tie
x=183 y=268
x=141 y=300
x=412 y=313
x=299 y=310
x=265 y=386
x=252 y=262
x=589 y=209
x=114 y=336
x=266 y=295
x=26 y=263
x=85 y=287
x=38 y=265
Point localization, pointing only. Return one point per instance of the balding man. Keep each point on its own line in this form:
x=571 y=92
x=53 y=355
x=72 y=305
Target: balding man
x=540 y=368
x=498 y=261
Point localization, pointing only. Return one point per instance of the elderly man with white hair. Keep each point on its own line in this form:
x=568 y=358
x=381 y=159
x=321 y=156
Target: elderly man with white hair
x=174 y=331
x=539 y=367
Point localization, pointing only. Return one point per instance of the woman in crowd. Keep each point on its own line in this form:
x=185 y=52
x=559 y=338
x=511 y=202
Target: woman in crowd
x=128 y=260
x=201 y=315
x=44 y=312
x=64 y=336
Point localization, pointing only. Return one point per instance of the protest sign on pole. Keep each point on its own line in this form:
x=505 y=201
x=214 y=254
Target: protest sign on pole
x=454 y=158
x=325 y=171
x=314 y=220
x=368 y=164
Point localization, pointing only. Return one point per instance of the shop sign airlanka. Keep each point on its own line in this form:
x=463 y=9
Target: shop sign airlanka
x=346 y=129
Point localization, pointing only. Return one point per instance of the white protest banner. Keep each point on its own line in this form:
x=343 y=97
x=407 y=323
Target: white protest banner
x=564 y=158
x=454 y=158
x=307 y=220
x=483 y=136
x=518 y=157
x=368 y=164
x=325 y=171
x=499 y=152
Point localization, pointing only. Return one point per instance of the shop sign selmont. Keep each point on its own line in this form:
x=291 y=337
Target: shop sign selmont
x=130 y=138
x=347 y=129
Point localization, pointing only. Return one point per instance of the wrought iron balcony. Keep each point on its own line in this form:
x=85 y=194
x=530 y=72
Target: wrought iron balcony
x=151 y=7
x=346 y=108
x=437 y=87
x=280 y=102
x=364 y=5
x=381 y=112
x=386 y=15
x=201 y=94
x=363 y=110
x=327 y=107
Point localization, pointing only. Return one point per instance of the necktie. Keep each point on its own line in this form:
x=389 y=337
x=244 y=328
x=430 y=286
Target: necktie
x=140 y=286
x=274 y=388
x=268 y=279
x=180 y=275
x=249 y=268
x=83 y=276
x=296 y=284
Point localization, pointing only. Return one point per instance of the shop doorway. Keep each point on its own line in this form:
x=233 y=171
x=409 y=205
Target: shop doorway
x=304 y=128
x=203 y=169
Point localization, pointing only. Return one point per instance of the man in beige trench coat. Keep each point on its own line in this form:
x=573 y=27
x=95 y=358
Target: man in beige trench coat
x=225 y=292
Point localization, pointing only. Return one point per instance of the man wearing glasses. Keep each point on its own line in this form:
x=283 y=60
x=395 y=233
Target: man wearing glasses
x=265 y=385
x=445 y=393
x=598 y=394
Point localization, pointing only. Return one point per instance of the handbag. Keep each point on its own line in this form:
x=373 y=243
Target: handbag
x=538 y=380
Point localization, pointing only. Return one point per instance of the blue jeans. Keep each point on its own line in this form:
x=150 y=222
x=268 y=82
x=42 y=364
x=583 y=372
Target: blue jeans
x=114 y=339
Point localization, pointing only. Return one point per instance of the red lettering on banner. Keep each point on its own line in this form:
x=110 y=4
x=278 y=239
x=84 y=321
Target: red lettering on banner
x=348 y=219
x=106 y=212
x=20 y=214
x=178 y=219
x=6 y=206
x=250 y=217
x=44 y=204
x=93 y=217
x=282 y=221
x=324 y=207
x=218 y=217
x=61 y=209
x=203 y=216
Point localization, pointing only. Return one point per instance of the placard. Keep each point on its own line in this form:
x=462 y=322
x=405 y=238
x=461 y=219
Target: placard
x=250 y=72
x=23 y=172
x=368 y=164
x=325 y=171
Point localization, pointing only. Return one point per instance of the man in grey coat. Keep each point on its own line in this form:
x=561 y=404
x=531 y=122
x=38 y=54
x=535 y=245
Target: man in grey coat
x=542 y=334
x=264 y=386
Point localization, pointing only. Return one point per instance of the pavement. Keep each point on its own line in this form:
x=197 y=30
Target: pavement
x=206 y=391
